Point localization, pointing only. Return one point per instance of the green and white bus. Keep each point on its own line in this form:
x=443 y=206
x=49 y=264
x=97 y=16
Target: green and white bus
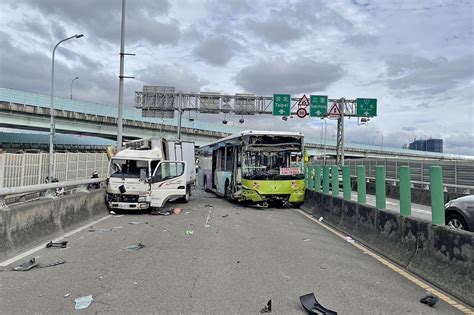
x=258 y=167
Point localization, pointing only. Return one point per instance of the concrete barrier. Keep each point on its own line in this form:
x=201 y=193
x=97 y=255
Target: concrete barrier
x=27 y=225
x=440 y=255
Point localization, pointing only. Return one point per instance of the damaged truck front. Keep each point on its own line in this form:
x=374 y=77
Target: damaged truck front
x=149 y=173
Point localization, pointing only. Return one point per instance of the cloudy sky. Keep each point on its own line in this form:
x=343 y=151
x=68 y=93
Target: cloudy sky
x=415 y=57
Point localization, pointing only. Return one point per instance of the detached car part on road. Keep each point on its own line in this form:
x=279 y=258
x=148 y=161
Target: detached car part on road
x=459 y=213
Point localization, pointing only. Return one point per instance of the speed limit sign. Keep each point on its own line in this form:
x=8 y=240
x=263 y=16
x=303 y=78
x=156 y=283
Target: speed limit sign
x=301 y=113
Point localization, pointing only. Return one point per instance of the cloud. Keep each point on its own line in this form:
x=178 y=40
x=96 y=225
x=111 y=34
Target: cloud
x=419 y=75
x=300 y=75
x=101 y=19
x=275 y=30
x=182 y=78
x=217 y=51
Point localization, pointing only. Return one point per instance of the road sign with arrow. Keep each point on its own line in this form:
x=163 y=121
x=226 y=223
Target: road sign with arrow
x=281 y=104
x=318 y=105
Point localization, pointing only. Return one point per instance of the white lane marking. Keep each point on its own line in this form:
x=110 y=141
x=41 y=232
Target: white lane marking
x=37 y=248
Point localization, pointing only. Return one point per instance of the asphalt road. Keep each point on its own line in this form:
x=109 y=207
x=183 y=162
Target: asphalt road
x=243 y=258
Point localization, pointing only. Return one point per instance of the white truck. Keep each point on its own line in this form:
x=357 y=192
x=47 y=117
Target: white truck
x=150 y=172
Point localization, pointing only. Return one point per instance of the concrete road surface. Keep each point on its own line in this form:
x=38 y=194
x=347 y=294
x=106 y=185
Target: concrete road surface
x=243 y=258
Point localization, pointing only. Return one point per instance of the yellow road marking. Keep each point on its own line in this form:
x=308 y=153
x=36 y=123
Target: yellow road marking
x=397 y=269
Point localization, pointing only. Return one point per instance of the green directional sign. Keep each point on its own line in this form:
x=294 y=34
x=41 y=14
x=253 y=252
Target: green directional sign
x=318 y=105
x=367 y=107
x=281 y=104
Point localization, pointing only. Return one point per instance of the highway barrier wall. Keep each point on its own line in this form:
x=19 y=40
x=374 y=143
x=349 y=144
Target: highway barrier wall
x=438 y=254
x=27 y=225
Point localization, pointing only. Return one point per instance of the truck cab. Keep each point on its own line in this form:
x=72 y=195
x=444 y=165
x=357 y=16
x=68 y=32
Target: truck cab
x=148 y=176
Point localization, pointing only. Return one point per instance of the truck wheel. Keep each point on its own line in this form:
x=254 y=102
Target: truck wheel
x=187 y=196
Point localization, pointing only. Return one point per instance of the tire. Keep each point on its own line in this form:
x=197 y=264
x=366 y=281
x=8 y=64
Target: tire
x=187 y=196
x=205 y=185
x=456 y=221
x=227 y=192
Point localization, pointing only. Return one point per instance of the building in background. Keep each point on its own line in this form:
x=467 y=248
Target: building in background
x=430 y=145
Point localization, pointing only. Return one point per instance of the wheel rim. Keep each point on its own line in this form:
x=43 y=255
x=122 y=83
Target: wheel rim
x=455 y=223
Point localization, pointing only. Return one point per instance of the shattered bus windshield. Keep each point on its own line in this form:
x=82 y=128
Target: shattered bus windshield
x=271 y=158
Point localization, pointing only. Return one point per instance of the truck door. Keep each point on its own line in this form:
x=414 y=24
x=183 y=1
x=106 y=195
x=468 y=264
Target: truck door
x=168 y=182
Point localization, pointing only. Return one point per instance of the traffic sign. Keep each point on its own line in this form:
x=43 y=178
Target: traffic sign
x=304 y=101
x=334 y=112
x=301 y=112
x=366 y=107
x=318 y=105
x=281 y=104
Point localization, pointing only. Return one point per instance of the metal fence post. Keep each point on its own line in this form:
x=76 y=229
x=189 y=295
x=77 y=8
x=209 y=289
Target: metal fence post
x=346 y=182
x=317 y=181
x=326 y=179
x=437 y=195
x=380 y=198
x=335 y=180
x=310 y=178
x=405 y=191
x=361 y=184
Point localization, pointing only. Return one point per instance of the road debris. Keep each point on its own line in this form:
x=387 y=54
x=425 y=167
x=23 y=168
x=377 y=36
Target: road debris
x=112 y=212
x=320 y=219
x=312 y=306
x=67 y=295
x=27 y=265
x=267 y=308
x=134 y=222
x=349 y=239
x=429 y=299
x=135 y=246
x=187 y=212
x=225 y=215
x=83 y=302
x=54 y=263
x=306 y=239
x=210 y=206
x=189 y=232
x=93 y=229
x=62 y=244
x=208 y=219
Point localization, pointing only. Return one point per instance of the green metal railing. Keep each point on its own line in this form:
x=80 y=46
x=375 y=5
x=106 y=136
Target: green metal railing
x=331 y=181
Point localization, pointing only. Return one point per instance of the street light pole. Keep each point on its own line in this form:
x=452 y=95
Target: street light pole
x=51 y=110
x=72 y=82
x=120 y=100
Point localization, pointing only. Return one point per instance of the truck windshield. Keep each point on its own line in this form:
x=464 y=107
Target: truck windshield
x=129 y=168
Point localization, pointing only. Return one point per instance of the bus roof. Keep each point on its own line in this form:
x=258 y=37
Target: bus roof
x=258 y=133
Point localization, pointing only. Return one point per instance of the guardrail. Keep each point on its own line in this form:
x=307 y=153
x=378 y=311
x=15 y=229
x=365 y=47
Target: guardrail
x=15 y=191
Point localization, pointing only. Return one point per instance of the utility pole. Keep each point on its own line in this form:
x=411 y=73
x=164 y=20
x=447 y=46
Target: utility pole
x=120 y=100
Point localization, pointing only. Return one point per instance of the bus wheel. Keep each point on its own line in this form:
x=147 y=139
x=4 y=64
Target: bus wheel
x=227 y=192
x=205 y=185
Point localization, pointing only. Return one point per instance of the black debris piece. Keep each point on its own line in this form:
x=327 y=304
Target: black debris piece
x=312 y=306
x=429 y=299
x=62 y=244
x=27 y=265
x=161 y=212
x=267 y=308
x=55 y=263
x=210 y=206
x=135 y=246
x=225 y=215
